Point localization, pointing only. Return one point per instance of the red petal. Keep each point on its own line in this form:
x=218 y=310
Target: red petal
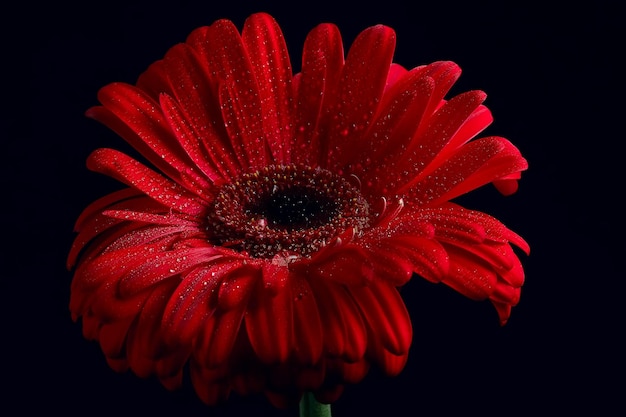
x=269 y=58
x=162 y=265
x=110 y=267
x=275 y=276
x=476 y=122
x=307 y=326
x=194 y=300
x=469 y=276
x=396 y=72
x=445 y=74
x=440 y=130
x=473 y=165
x=213 y=161
x=322 y=61
x=349 y=372
x=499 y=255
x=345 y=335
x=112 y=337
x=386 y=315
x=99 y=225
x=135 y=234
x=138 y=119
x=217 y=337
x=102 y=230
x=145 y=342
x=100 y=204
x=360 y=90
x=504 y=311
x=107 y=305
x=238 y=93
x=134 y=174
x=390 y=363
x=154 y=81
x=424 y=88
x=506 y=294
x=500 y=159
x=209 y=388
x=269 y=323
x=515 y=275
x=490 y=228
x=506 y=186
x=391 y=265
x=196 y=94
x=244 y=123
x=346 y=265
x=149 y=218
x=402 y=111
x=428 y=258
x=237 y=287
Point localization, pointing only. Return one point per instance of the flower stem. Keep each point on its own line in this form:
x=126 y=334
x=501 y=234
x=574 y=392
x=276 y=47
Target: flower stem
x=310 y=407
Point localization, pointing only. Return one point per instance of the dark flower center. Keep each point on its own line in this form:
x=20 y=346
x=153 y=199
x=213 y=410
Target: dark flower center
x=285 y=209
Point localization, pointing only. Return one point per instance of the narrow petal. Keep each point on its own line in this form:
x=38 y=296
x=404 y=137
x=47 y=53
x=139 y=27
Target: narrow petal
x=469 y=276
x=194 y=91
x=345 y=335
x=428 y=258
x=159 y=266
x=244 y=123
x=396 y=72
x=475 y=164
x=385 y=315
x=107 y=305
x=440 y=130
x=194 y=300
x=308 y=337
x=347 y=265
x=390 y=264
x=322 y=61
x=267 y=51
x=218 y=333
x=112 y=337
x=111 y=266
x=149 y=218
x=389 y=362
x=360 y=90
x=237 y=287
x=96 y=207
x=145 y=343
x=214 y=162
x=138 y=119
x=154 y=81
x=127 y=170
x=237 y=92
x=491 y=229
x=349 y=372
x=400 y=115
x=445 y=74
x=137 y=235
x=209 y=385
x=93 y=229
x=269 y=323
x=504 y=311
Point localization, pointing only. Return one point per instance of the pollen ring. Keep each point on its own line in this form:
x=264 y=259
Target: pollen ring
x=285 y=209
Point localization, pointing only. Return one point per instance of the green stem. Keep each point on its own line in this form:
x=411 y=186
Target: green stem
x=310 y=407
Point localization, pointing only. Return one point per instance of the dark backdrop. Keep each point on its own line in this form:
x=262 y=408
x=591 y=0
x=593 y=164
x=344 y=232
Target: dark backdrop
x=552 y=78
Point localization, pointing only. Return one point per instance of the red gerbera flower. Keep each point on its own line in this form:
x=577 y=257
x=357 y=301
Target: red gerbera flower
x=265 y=245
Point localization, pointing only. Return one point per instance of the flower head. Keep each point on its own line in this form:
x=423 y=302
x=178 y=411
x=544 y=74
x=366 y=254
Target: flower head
x=263 y=240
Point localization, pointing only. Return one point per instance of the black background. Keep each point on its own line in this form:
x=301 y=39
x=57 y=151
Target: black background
x=554 y=84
